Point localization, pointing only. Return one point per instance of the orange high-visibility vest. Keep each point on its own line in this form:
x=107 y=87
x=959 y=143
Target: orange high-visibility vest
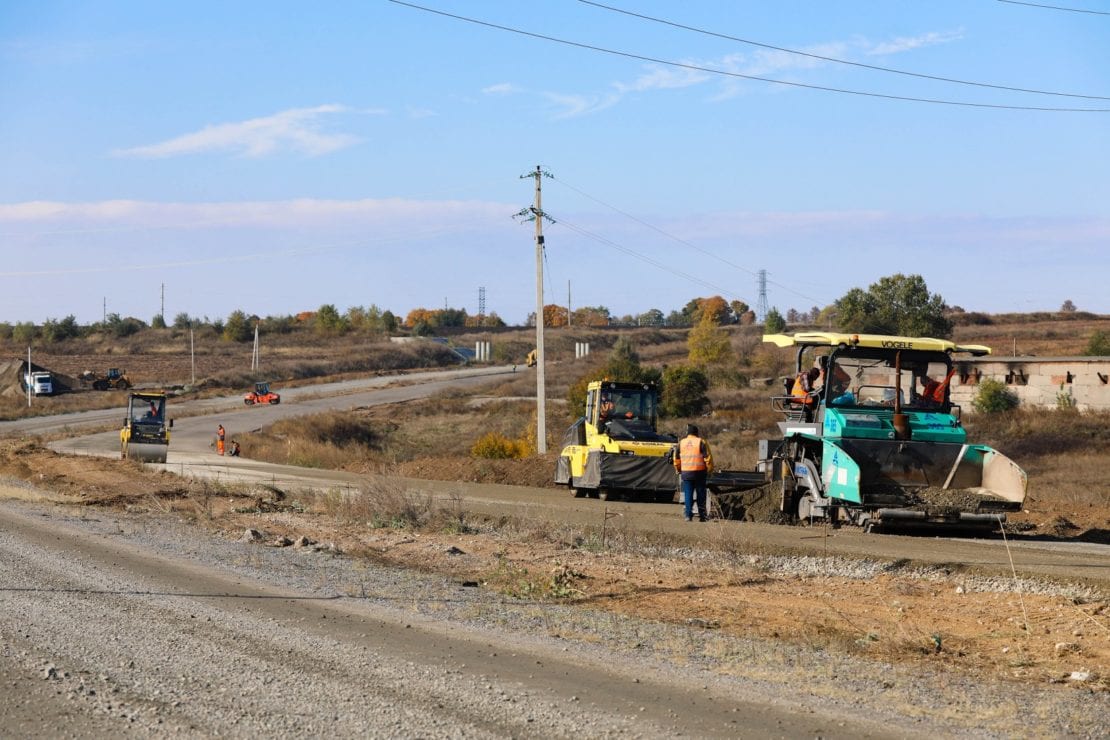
x=800 y=391
x=934 y=391
x=691 y=456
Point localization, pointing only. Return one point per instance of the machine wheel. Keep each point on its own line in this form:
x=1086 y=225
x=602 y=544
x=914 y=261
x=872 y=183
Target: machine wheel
x=273 y=401
x=248 y=402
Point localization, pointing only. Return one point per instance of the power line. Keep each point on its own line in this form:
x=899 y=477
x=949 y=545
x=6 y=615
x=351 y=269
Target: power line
x=738 y=75
x=670 y=269
x=1055 y=7
x=835 y=60
x=682 y=241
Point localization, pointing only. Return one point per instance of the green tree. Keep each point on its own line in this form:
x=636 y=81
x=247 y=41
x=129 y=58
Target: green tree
x=993 y=397
x=121 y=327
x=684 y=391
x=651 y=317
x=1098 y=345
x=389 y=321
x=57 y=331
x=24 y=332
x=708 y=343
x=898 y=304
x=238 y=327
x=773 y=322
x=183 y=321
x=328 y=320
x=158 y=322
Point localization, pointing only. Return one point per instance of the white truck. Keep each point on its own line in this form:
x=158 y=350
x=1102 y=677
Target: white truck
x=40 y=383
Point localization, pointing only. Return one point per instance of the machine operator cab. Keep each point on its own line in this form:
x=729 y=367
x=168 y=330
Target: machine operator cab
x=863 y=372
x=623 y=410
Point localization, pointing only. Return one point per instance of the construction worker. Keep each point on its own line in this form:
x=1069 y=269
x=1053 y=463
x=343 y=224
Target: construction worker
x=932 y=392
x=220 y=439
x=605 y=409
x=804 y=385
x=694 y=463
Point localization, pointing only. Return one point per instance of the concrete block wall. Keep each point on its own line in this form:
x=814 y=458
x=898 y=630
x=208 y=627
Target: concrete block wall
x=1038 y=381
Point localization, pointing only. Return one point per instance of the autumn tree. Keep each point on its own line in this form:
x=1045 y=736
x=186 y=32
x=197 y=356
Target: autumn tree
x=554 y=315
x=591 y=316
x=708 y=343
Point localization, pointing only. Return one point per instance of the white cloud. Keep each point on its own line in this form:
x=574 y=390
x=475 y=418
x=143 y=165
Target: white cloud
x=503 y=88
x=909 y=43
x=52 y=216
x=294 y=129
x=579 y=105
x=663 y=78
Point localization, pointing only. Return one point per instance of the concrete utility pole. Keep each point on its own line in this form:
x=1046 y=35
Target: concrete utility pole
x=535 y=213
x=162 y=311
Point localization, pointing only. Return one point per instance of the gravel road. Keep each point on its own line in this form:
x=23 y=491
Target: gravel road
x=133 y=626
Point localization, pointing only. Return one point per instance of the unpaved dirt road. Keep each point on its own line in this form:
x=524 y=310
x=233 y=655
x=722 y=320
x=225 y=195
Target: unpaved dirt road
x=107 y=630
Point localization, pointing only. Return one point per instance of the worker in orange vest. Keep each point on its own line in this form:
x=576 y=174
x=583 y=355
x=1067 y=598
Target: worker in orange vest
x=804 y=384
x=694 y=463
x=932 y=392
x=220 y=439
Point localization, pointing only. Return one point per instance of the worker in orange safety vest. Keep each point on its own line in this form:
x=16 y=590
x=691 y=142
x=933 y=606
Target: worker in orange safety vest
x=694 y=463
x=220 y=439
x=932 y=392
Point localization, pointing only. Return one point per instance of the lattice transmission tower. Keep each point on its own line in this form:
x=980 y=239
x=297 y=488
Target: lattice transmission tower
x=761 y=305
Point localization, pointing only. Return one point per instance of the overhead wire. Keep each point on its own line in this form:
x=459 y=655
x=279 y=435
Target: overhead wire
x=670 y=269
x=739 y=75
x=1055 y=7
x=810 y=55
x=682 y=241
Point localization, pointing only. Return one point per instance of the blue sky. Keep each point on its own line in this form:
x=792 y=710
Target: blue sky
x=276 y=156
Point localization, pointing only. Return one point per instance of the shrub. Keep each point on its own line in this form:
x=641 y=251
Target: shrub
x=684 y=392
x=1098 y=345
x=495 y=446
x=994 y=397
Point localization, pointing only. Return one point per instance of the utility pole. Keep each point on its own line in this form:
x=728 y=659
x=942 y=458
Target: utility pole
x=535 y=213
x=254 y=354
x=162 y=311
x=104 y=317
x=568 y=304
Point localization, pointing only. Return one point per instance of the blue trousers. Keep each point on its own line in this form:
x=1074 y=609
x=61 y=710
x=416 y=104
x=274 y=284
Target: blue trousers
x=690 y=488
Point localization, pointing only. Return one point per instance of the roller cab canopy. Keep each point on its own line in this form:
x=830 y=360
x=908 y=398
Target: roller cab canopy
x=876 y=341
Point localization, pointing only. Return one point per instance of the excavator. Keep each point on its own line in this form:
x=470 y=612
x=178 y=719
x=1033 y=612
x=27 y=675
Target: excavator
x=145 y=435
x=877 y=441
x=615 y=450
x=261 y=394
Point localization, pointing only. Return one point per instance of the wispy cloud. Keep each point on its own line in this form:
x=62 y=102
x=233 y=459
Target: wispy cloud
x=909 y=43
x=570 y=106
x=41 y=217
x=502 y=88
x=295 y=129
x=759 y=63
